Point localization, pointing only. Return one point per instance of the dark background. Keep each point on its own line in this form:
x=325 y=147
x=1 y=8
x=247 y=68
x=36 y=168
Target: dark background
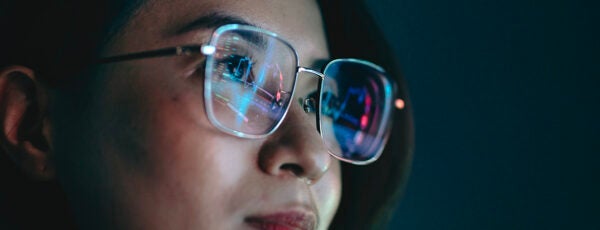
x=505 y=97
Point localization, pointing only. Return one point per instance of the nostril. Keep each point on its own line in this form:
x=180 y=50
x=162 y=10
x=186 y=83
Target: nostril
x=293 y=168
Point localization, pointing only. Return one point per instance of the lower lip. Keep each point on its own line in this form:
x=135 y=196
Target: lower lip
x=291 y=221
x=271 y=226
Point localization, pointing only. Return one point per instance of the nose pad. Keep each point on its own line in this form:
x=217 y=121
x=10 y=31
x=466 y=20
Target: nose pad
x=296 y=147
x=309 y=104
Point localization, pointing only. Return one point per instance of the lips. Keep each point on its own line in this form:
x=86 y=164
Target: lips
x=284 y=221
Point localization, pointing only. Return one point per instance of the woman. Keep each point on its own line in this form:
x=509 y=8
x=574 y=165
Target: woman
x=181 y=115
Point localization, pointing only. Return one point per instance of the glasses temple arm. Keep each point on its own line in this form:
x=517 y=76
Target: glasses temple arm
x=179 y=51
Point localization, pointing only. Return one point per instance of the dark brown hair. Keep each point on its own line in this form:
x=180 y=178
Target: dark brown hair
x=60 y=40
x=370 y=193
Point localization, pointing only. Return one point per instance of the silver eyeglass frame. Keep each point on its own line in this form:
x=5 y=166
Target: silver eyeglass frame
x=208 y=49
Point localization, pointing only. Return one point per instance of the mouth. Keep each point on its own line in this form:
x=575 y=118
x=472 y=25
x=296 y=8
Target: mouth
x=284 y=221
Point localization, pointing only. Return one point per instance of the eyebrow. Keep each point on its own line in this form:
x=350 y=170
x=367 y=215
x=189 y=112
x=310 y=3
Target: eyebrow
x=211 y=21
x=216 y=19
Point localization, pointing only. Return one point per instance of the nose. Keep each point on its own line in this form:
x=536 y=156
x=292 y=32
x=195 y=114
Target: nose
x=295 y=149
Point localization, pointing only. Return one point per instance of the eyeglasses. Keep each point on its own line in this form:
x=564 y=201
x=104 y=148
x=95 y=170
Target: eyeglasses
x=250 y=77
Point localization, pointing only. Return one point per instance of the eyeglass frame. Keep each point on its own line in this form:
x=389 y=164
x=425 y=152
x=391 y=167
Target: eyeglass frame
x=209 y=48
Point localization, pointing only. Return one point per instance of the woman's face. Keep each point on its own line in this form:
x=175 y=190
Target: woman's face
x=144 y=155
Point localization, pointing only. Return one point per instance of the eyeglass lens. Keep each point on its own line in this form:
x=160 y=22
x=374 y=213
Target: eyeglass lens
x=354 y=109
x=250 y=78
x=249 y=83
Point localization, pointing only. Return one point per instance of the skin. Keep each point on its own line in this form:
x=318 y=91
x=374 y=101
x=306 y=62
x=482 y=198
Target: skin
x=136 y=150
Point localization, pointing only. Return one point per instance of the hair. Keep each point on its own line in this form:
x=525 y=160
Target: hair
x=370 y=193
x=60 y=40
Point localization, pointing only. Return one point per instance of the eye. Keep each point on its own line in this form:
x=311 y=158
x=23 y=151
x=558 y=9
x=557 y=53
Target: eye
x=238 y=68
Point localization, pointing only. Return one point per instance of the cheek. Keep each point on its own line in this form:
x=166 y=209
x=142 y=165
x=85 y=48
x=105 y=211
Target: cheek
x=155 y=150
x=328 y=191
x=145 y=109
x=166 y=144
x=191 y=179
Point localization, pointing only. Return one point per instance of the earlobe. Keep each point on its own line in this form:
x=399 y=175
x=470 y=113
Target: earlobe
x=24 y=137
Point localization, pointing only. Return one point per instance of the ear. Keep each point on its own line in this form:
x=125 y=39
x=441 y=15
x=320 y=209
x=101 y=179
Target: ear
x=25 y=130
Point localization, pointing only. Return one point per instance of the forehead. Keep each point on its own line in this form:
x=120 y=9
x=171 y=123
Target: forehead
x=157 y=22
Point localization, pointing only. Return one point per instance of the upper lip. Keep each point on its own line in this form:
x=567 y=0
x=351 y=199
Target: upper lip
x=303 y=220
